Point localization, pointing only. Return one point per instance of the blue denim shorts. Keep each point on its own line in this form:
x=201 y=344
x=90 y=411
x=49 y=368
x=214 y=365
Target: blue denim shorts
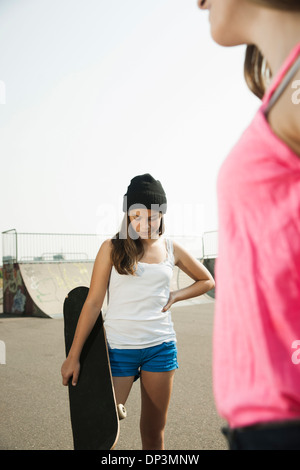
x=129 y=362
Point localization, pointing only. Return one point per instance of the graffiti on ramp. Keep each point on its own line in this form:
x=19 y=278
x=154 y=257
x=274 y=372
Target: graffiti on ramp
x=39 y=289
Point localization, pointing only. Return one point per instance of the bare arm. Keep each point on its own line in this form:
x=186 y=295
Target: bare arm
x=196 y=271
x=89 y=313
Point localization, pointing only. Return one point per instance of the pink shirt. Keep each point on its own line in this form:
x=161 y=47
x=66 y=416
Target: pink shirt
x=257 y=316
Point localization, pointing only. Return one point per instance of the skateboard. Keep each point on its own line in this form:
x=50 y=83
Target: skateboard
x=93 y=409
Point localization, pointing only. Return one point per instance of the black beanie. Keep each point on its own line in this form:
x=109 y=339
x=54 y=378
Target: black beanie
x=145 y=191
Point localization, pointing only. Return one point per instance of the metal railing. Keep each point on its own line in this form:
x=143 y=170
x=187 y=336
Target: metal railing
x=54 y=247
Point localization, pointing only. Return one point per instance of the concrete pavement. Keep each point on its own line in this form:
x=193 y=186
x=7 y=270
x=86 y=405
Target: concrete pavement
x=34 y=405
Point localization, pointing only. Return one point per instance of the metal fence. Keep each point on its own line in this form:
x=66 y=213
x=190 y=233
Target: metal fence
x=53 y=247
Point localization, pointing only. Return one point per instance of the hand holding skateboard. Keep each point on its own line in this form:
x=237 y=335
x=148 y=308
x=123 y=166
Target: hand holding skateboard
x=70 y=369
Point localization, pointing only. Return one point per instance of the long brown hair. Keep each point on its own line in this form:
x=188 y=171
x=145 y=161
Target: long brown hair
x=256 y=69
x=127 y=249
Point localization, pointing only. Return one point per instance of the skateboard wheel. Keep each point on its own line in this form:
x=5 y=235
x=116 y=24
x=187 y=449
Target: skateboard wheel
x=122 y=411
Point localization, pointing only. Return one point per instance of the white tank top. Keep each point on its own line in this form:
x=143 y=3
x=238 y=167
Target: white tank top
x=134 y=317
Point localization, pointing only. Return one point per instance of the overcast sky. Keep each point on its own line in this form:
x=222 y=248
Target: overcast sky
x=98 y=91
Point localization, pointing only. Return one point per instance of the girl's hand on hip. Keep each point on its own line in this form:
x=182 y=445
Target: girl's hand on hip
x=171 y=301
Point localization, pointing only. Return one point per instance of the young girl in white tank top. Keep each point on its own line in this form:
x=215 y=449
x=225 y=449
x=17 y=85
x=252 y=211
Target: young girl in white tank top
x=135 y=268
x=134 y=318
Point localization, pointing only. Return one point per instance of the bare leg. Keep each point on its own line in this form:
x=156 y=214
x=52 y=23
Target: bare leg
x=156 y=388
x=122 y=387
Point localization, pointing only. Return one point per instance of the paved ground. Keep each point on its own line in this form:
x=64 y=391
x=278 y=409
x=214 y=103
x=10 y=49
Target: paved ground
x=34 y=405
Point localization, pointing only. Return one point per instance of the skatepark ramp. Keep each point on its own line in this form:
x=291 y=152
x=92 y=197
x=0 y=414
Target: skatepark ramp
x=37 y=285
x=39 y=270
x=39 y=289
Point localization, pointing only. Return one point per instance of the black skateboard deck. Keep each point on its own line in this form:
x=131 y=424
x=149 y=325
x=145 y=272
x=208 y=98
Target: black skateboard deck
x=93 y=410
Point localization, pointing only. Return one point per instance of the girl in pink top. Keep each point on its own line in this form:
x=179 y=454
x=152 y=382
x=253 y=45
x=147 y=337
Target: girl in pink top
x=257 y=318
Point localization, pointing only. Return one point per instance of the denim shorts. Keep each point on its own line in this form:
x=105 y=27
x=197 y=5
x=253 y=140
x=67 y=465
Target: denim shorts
x=129 y=362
